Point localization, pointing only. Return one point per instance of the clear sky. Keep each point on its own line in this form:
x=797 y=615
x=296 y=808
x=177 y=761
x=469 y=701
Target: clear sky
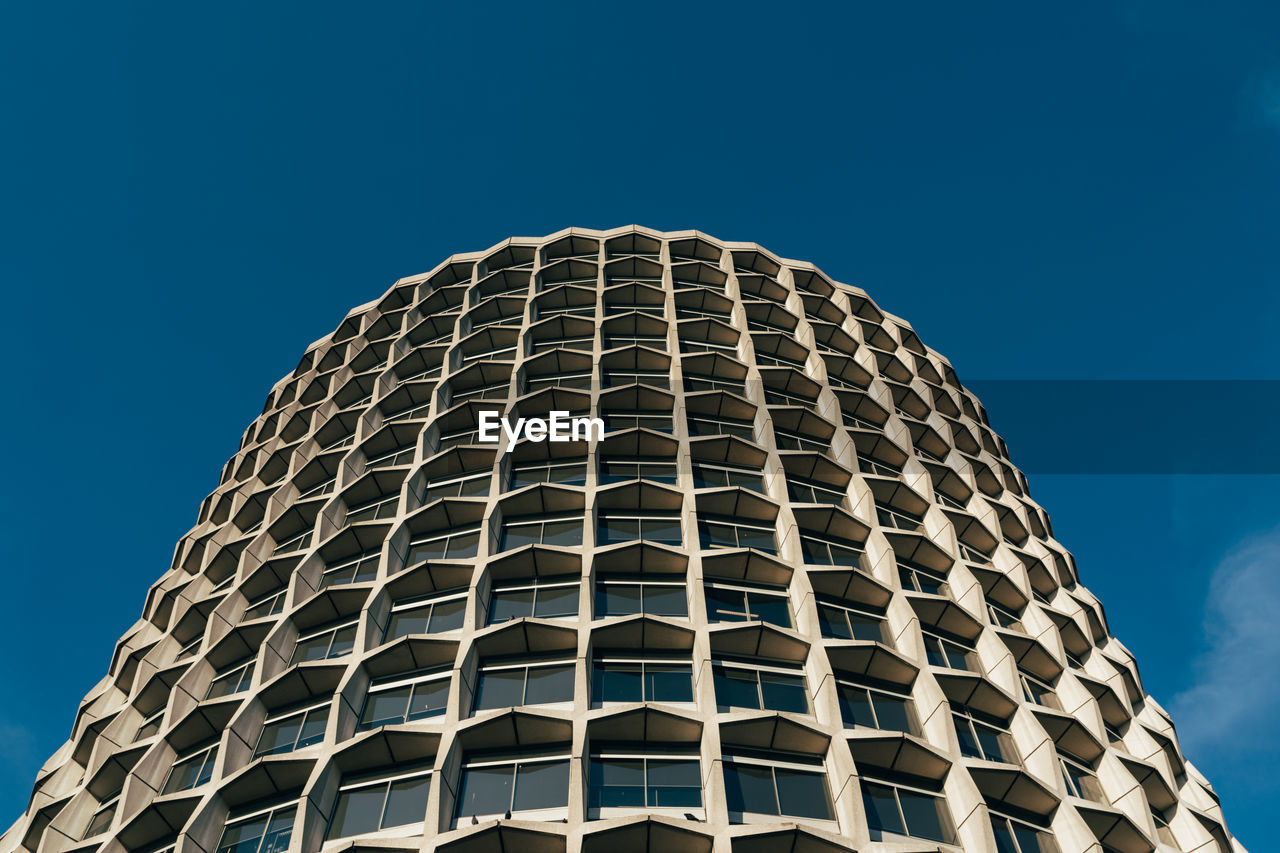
x=191 y=195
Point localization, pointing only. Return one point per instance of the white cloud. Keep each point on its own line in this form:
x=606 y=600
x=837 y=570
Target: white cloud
x=1230 y=707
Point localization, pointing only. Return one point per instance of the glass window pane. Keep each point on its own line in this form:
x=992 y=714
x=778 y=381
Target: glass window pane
x=385 y=708
x=557 y=601
x=662 y=530
x=406 y=622
x=725 y=605
x=665 y=601
x=924 y=816
x=277 y=838
x=485 y=790
x=619 y=599
x=315 y=648
x=774 y=609
x=882 y=808
x=313 y=729
x=674 y=783
x=803 y=794
x=783 y=693
x=542 y=786
x=736 y=688
x=855 y=707
x=619 y=683
x=619 y=530
x=1004 y=838
x=242 y=837
x=668 y=683
x=549 y=684
x=343 y=641
x=279 y=737
x=564 y=533
x=893 y=713
x=511 y=604
x=447 y=615
x=501 y=689
x=749 y=789
x=832 y=623
x=358 y=812
x=617 y=782
x=407 y=802
x=429 y=699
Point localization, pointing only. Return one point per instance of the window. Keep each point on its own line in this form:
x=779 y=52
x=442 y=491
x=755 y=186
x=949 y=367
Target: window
x=899 y=519
x=467 y=486
x=493 y=789
x=514 y=684
x=1037 y=692
x=694 y=383
x=822 y=550
x=916 y=578
x=231 y=681
x=708 y=425
x=1015 y=836
x=404 y=700
x=812 y=492
x=192 y=771
x=1006 y=618
x=615 y=421
x=293 y=730
x=788 y=440
x=619 y=470
x=901 y=810
x=1080 y=780
x=630 y=680
x=296 y=542
x=760 y=688
x=982 y=736
x=839 y=622
x=707 y=476
x=732 y=533
x=621 y=780
x=577 y=342
x=517 y=533
x=948 y=653
x=876 y=707
x=663 y=528
x=542 y=598
x=565 y=473
x=270 y=604
x=382 y=507
x=656 y=598
x=452 y=545
x=573 y=379
x=370 y=806
x=399 y=456
x=427 y=616
x=870 y=465
x=731 y=603
x=1163 y=830
x=355 y=570
x=776 y=788
x=265 y=832
x=150 y=725
x=192 y=646
x=325 y=644
x=654 y=378
x=101 y=820
x=457 y=438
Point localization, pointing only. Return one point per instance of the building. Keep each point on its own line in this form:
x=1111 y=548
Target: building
x=796 y=598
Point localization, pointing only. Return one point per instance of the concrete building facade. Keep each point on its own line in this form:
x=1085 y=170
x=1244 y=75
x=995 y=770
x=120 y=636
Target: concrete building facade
x=796 y=598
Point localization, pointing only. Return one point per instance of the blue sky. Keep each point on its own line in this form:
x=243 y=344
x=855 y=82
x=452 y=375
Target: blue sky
x=192 y=195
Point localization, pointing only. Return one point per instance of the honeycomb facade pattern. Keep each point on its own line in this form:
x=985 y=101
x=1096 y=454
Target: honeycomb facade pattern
x=796 y=598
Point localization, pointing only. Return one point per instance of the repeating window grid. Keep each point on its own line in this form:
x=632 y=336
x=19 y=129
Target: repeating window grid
x=981 y=557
